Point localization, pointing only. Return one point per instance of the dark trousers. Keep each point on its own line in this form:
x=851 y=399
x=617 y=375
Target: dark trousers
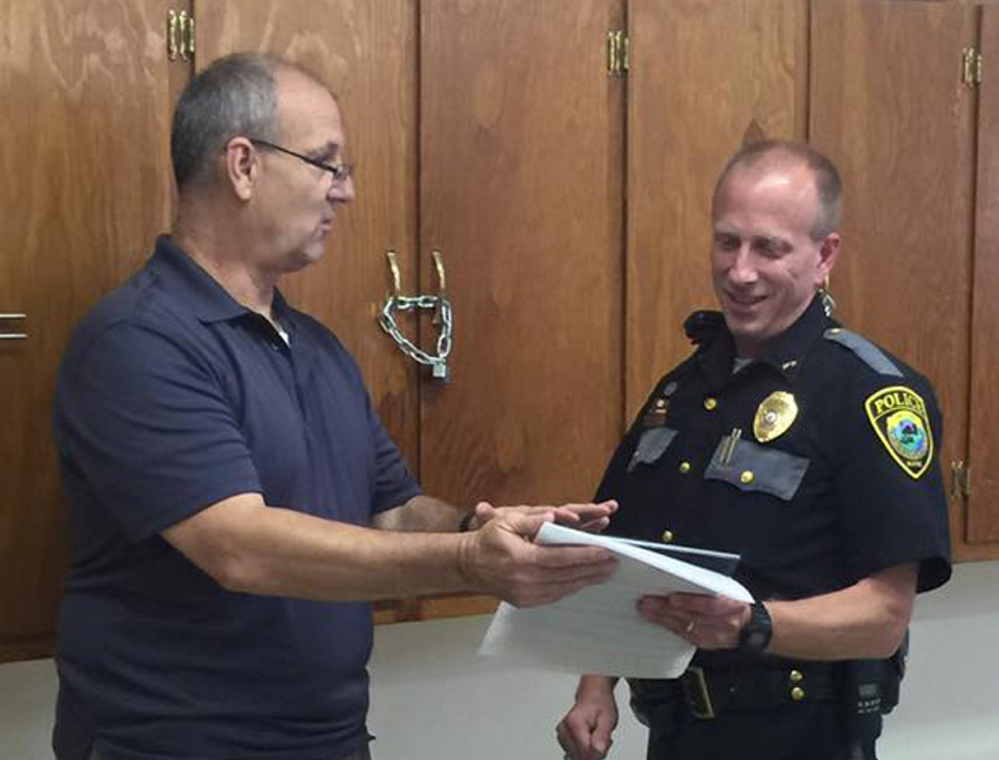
x=814 y=731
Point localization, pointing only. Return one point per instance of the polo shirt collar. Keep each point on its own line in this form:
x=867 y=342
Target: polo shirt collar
x=207 y=299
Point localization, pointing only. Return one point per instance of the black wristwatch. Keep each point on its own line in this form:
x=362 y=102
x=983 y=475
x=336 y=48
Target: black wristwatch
x=755 y=635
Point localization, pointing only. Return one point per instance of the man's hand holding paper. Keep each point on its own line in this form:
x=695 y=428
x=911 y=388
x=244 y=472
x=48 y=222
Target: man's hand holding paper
x=599 y=629
x=707 y=622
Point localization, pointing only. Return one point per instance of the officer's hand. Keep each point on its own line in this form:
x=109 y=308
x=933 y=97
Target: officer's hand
x=589 y=517
x=500 y=559
x=707 y=622
x=585 y=732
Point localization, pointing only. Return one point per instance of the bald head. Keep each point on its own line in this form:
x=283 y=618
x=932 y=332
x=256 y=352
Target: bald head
x=791 y=159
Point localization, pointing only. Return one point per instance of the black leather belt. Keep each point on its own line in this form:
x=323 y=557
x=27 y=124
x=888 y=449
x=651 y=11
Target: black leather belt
x=710 y=692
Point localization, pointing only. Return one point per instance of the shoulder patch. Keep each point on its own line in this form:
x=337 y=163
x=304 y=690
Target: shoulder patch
x=870 y=354
x=899 y=417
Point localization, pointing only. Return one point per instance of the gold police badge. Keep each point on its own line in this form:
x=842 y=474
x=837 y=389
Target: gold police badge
x=774 y=416
x=899 y=417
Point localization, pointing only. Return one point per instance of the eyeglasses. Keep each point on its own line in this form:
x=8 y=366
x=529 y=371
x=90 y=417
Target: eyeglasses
x=340 y=172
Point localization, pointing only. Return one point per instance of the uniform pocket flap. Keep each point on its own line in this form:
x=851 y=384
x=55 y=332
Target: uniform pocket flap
x=752 y=467
x=651 y=446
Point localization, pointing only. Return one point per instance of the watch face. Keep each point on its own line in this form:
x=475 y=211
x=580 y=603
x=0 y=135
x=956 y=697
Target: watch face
x=758 y=639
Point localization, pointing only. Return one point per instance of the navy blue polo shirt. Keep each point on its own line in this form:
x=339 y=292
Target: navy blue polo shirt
x=172 y=396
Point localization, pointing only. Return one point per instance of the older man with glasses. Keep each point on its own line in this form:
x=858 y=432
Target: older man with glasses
x=233 y=500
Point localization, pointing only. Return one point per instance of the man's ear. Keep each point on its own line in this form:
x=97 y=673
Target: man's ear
x=240 y=165
x=828 y=255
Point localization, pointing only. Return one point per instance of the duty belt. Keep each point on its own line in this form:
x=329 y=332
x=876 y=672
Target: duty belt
x=710 y=692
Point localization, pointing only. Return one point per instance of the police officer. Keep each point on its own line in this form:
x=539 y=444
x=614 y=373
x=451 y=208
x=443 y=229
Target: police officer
x=807 y=450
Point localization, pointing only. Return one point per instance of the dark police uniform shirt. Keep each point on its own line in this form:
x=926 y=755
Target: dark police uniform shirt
x=850 y=488
x=171 y=397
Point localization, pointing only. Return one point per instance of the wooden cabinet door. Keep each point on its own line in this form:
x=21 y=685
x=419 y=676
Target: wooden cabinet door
x=982 y=534
x=888 y=106
x=84 y=188
x=706 y=76
x=366 y=51
x=521 y=189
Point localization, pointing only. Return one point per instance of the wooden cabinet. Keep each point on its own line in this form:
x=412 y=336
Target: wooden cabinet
x=571 y=208
x=913 y=142
x=457 y=117
x=521 y=175
x=979 y=520
x=879 y=87
x=528 y=224
x=367 y=51
x=85 y=181
x=706 y=75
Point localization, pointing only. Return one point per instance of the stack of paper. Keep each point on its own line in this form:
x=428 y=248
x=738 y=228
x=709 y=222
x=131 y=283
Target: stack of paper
x=598 y=629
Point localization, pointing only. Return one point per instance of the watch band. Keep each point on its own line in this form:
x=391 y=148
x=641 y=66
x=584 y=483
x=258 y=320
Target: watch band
x=755 y=635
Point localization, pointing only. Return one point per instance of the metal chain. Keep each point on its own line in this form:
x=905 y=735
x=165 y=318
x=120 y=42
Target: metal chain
x=439 y=304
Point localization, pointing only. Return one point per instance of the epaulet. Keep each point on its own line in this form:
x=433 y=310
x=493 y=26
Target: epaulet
x=702 y=326
x=868 y=353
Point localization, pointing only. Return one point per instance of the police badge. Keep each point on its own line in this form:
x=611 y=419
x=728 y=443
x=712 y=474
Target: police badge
x=899 y=417
x=774 y=416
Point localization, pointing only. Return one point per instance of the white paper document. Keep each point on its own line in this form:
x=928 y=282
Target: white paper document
x=598 y=629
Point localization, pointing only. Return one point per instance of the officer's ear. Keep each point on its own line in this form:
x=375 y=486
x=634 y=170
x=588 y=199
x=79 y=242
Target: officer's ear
x=828 y=255
x=240 y=162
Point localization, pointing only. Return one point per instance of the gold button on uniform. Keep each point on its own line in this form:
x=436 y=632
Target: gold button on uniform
x=667 y=536
x=797 y=694
x=684 y=467
x=746 y=477
x=797 y=676
x=710 y=403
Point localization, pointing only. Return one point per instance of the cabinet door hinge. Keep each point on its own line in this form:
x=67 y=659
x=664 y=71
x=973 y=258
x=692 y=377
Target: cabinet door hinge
x=617 y=54
x=180 y=35
x=960 y=486
x=971 y=67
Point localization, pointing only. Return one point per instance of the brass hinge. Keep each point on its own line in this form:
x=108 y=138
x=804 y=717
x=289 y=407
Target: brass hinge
x=180 y=35
x=971 y=67
x=617 y=54
x=960 y=486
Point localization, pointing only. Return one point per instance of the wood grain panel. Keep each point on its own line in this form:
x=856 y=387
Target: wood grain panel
x=366 y=51
x=706 y=76
x=432 y=608
x=888 y=106
x=521 y=183
x=85 y=184
x=983 y=445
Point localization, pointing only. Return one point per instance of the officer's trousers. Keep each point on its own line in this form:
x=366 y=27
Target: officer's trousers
x=814 y=731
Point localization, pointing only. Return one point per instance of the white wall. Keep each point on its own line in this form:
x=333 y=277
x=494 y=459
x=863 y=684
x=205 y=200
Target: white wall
x=434 y=699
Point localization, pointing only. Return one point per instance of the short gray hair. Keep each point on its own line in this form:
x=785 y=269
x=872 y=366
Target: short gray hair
x=776 y=152
x=236 y=95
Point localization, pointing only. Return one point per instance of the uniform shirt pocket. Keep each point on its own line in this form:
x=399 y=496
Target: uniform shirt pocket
x=651 y=445
x=751 y=467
